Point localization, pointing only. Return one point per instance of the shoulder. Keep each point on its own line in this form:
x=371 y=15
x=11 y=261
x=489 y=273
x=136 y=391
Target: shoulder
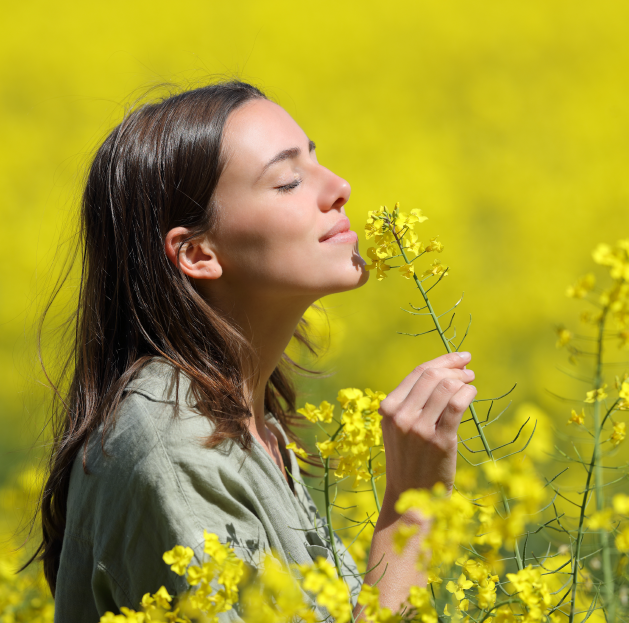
x=153 y=459
x=150 y=478
x=158 y=416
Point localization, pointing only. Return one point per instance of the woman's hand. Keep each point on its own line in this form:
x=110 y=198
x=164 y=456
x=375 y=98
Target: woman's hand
x=420 y=419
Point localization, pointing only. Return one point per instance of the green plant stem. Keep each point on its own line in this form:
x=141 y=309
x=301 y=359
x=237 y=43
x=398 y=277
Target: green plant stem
x=328 y=512
x=498 y=605
x=373 y=487
x=596 y=469
x=579 y=539
x=608 y=575
x=446 y=343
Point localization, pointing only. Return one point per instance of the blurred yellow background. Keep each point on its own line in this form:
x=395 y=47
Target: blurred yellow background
x=506 y=123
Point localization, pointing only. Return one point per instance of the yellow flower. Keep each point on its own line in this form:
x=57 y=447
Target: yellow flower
x=622 y=540
x=300 y=452
x=435 y=269
x=486 y=595
x=577 y=418
x=414 y=499
x=581 y=287
x=401 y=537
x=387 y=248
x=505 y=614
x=563 y=336
x=619 y=433
x=457 y=589
x=322 y=413
x=326 y=448
x=376 y=398
x=205 y=573
x=602 y=254
x=131 y=616
x=331 y=591
x=110 y=617
x=532 y=590
x=407 y=270
x=309 y=412
x=419 y=598
x=379 y=264
x=412 y=243
x=600 y=520
x=368 y=597
x=161 y=598
x=620 y=502
x=215 y=548
x=178 y=558
x=434 y=245
x=433 y=577
x=474 y=569
x=418 y=215
x=596 y=395
x=374 y=226
x=615 y=259
x=349 y=395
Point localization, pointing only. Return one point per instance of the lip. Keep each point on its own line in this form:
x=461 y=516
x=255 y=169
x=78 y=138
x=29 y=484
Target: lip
x=340 y=227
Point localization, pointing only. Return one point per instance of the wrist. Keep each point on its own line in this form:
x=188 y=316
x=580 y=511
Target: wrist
x=390 y=516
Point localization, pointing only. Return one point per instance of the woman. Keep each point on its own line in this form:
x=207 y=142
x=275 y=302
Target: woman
x=208 y=229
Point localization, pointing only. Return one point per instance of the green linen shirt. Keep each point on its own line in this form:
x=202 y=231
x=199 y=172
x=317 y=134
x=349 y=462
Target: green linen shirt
x=155 y=486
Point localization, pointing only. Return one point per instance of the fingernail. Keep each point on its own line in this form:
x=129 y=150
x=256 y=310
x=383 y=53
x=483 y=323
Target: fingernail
x=469 y=373
x=464 y=355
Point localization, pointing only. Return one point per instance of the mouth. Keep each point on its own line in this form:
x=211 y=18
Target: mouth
x=341 y=232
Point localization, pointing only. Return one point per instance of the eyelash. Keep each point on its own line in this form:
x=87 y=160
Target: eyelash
x=288 y=187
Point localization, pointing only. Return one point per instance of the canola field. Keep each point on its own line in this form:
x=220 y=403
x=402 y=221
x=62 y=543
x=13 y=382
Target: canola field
x=506 y=124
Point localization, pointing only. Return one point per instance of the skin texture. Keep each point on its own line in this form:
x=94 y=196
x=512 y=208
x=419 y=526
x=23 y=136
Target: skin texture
x=264 y=264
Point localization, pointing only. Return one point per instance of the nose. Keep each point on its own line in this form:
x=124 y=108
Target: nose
x=335 y=191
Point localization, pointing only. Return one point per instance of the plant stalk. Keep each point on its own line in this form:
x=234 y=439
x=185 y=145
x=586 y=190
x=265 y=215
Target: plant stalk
x=446 y=343
x=608 y=575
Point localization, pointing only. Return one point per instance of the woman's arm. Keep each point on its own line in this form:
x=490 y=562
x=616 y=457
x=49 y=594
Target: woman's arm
x=419 y=426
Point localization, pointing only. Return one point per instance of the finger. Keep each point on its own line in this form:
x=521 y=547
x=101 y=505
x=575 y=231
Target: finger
x=450 y=361
x=438 y=401
x=432 y=382
x=451 y=416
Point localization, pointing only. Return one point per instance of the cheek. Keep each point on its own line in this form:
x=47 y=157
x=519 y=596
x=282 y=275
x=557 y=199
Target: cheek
x=271 y=235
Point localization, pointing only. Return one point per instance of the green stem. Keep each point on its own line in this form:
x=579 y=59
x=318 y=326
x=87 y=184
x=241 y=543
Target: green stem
x=373 y=486
x=608 y=575
x=328 y=512
x=596 y=469
x=579 y=539
x=498 y=605
x=446 y=343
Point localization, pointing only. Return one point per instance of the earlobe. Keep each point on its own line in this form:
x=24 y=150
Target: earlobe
x=195 y=258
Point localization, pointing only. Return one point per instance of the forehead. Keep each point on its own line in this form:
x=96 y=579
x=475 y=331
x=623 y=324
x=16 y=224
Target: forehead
x=258 y=130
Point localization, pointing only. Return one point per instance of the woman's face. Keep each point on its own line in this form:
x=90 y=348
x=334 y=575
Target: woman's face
x=275 y=205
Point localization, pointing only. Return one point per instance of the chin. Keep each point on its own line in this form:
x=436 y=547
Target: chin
x=355 y=279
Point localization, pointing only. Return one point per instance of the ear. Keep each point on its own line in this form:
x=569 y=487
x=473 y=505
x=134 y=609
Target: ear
x=196 y=257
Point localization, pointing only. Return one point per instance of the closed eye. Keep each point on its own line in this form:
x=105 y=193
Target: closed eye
x=288 y=187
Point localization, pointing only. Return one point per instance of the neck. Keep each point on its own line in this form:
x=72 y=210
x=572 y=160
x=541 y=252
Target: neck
x=269 y=327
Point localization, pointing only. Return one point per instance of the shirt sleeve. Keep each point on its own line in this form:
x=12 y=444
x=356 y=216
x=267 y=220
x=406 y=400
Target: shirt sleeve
x=153 y=487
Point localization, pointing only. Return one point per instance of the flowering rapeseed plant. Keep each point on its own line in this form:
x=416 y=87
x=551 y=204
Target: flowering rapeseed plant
x=24 y=597
x=511 y=544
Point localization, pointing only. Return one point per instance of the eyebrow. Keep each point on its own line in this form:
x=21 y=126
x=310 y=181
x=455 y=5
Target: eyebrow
x=287 y=154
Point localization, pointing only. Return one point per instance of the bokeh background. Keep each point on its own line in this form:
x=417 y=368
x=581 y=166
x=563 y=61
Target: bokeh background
x=506 y=123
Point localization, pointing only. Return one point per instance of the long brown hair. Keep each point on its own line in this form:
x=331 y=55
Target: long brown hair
x=158 y=169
